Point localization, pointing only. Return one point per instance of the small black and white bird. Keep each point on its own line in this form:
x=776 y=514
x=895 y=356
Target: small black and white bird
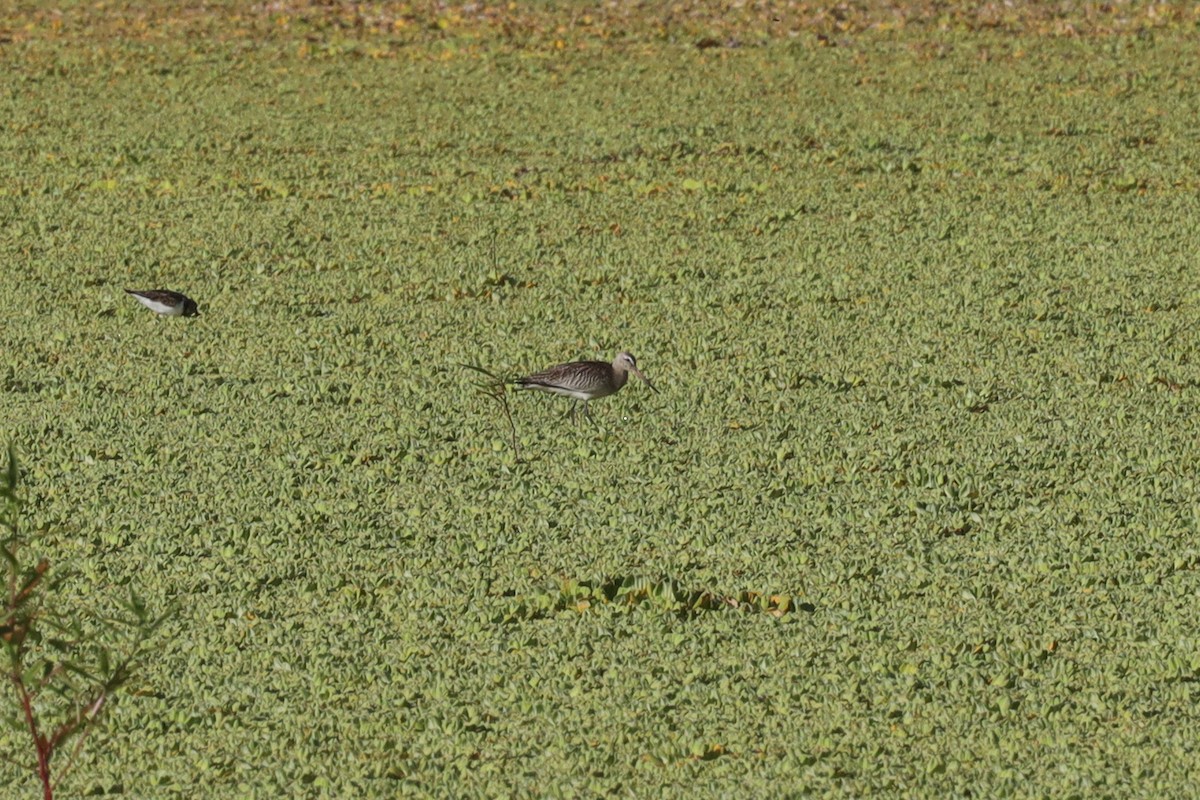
x=169 y=304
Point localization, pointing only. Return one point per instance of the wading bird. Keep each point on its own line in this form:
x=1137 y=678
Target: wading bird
x=584 y=381
x=169 y=304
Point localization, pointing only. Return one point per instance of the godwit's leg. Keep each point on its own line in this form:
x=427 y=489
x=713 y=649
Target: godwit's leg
x=587 y=412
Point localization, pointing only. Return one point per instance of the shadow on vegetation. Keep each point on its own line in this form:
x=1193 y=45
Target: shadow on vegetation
x=666 y=595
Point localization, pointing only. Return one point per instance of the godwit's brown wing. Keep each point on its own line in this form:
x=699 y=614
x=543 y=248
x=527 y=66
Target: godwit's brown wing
x=579 y=380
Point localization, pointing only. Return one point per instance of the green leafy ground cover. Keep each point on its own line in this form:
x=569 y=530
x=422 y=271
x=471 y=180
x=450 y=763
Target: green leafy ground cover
x=915 y=512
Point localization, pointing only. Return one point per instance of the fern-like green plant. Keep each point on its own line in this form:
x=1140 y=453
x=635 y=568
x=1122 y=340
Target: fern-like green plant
x=62 y=673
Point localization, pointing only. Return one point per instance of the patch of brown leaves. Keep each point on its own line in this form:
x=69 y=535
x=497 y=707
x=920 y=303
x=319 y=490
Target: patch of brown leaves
x=707 y=24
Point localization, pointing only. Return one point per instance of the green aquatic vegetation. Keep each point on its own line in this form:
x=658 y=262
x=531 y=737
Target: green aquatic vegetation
x=63 y=667
x=912 y=514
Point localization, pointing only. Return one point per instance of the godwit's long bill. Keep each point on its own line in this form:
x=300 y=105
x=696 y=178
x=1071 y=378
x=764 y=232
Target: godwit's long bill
x=584 y=381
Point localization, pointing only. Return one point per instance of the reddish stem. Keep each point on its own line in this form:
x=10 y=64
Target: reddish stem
x=43 y=746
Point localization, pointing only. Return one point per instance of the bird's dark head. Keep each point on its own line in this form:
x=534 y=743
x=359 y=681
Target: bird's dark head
x=625 y=362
